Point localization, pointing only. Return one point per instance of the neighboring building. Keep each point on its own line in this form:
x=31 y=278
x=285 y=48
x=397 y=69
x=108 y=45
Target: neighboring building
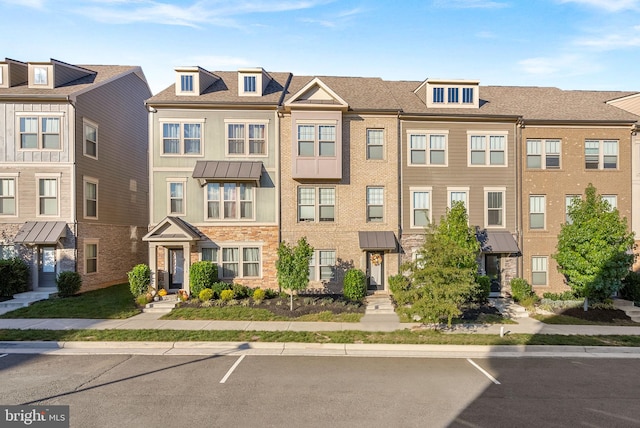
x=73 y=169
x=458 y=145
x=339 y=158
x=214 y=176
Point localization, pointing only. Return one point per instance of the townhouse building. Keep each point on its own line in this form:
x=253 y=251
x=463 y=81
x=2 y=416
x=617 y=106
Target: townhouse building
x=214 y=176
x=73 y=169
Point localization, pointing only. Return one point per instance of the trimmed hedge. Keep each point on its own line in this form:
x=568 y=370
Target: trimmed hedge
x=14 y=277
x=139 y=279
x=520 y=289
x=202 y=275
x=631 y=287
x=355 y=285
x=68 y=283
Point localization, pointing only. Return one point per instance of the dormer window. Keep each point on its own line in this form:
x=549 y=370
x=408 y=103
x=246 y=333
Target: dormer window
x=442 y=93
x=438 y=95
x=452 y=95
x=467 y=95
x=250 y=84
x=40 y=76
x=186 y=83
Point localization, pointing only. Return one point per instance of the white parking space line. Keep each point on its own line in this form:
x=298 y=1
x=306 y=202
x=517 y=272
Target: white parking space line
x=3 y=355
x=233 y=367
x=483 y=371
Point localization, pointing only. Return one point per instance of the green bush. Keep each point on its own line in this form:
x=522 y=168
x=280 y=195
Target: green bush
x=205 y=294
x=631 y=287
x=400 y=287
x=142 y=300
x=219 y=287
x=240 y=291
x=355 y=285
x=258 y=295
x=567 y=295
x=226 y=295
x=482 y=290
x=139 y=279
x=270 y=293
x=14 y=277
x=520 y=289
x=202 y=275
x=68 y=283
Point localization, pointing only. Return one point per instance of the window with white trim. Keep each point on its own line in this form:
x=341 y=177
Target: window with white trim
x=601 y=154
x=438 y=95
x=316 y=140
x=375 y=204
x=241 y=262
x=452 y=95
x=612 y=200
x=40 y=76
x=39 y=133
x=246 y=139
x=429 y=148
x=250 y=84
x=375 y=144
x=537 y=207
x=48 y=196
x=180 y=138
x=90 y=140
x=7 y=196
x=539 y=270
x=209 y=254
x=543 y=154
x=487 y=149
x=8 y=252
x=494 y=203
x=230 y=201
x=467 y=95
x=176 y=190
x=90 y=198
x=324 y=210
x=458 y=195
x=322 y=265
x=568 y=200
x=91 y=257
x=420 y=207
x=186 y=83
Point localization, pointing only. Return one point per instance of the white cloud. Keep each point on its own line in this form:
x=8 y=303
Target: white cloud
x=610 y=41
x=337 y=20
x=559 y=66
x=470 y=4
x=32 y=4
x=608 y=5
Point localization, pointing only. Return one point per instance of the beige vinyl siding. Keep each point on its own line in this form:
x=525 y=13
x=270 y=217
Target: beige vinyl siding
x=121 y=167
x=457 y=173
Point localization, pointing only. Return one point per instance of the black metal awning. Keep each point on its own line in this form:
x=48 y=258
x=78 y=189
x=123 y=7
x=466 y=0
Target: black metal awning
x=497 y=241
x=41 y=232
x=377 y=240
x=228 y=170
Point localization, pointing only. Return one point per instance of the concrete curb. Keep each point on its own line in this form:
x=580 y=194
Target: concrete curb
x=315 y=349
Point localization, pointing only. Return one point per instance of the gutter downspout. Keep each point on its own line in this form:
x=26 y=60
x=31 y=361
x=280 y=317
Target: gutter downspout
x=74 y=184
x=399 y=165
x=519 y=168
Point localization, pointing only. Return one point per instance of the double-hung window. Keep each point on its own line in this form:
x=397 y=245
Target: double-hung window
x=375 y=204
x=7 y=196
x=324 y=210
x=487 y=149
x=459 y=194
x=428 y=148
x=246 y=139
x=177 y=197
x=568 y=201
x=375 y=144
x=601 y=154
x=48 y=196
x=539 y=270
x=39 y=133
x=537 y=207
x=420 y=207
x=611 y=200
x=90 y=140
x=90 y=198
x=180 y=138
x=40 y=76
x=322 y=265
x=494 y=200
x=91 y=257
x=241 y=262
x=543 y=154
x=229 y=201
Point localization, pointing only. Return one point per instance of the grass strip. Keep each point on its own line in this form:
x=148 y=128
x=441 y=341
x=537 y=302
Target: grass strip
x=359 y=337
x=241 y=313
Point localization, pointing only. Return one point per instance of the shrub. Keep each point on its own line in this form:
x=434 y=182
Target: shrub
x=567 y=295
x=142 y=300
x=202 y=275
x=218 y=287
x=355 y=285
x=68 y=283
x=14 y=277
x=520 y=289
x=631 y=287
x=483 y=289
x=139 y=279
x=241 y=291
x=529 y=301
x=205 y=294
x=270 y=293
x=400 y=287
x=258 y=295
x=226 y=295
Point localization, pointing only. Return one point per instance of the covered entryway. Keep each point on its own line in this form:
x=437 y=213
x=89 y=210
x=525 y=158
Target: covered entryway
x=376 y=245
x=176 y=268
x=47 y=270
x=43 y=237
x=497 y=248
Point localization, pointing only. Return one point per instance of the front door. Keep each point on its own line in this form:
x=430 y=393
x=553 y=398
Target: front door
x=176 y=268
x=46 y=266
x=492 y=267
x=375 y=267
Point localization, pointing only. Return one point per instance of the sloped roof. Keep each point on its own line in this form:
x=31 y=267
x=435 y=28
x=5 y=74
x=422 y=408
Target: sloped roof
x=228 y=170
x=377 y=240
x=225 y=91
x=41 y=232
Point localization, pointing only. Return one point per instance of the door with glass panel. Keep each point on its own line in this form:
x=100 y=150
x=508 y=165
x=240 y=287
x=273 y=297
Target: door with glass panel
x=176 y=268
x=46 y=266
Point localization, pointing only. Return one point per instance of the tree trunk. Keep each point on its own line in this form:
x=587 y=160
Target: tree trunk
x=291 y=300
x=586 y=304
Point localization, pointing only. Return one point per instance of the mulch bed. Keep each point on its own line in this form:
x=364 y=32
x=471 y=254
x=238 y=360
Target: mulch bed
x=596 y=315
x=474 y=312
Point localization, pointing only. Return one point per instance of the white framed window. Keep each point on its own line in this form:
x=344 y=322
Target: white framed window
x=375 y=204
x=90 y=197
x=8 y=252
x=39 y=132
x=90 y=256
x=90 y=148
x=543 y=154
x=324 y=210
x=568 y=200
x=250 y=84
x=453 y=95
x=438 y=95
x=48 y=196
x=229 y=201
x=176 y=196
x=458 y=194
x=467 y=95
x=601 y=154
x=427 y=148
x=186 y=83
x=539 y=270
x=316 y=140
x=40 y=76
x=612 y=200
x=8 y=205
x=247 y=139
x=375 y=144
x=487 y=149
x=322 y=265
x=241 y=262
x=420 y=207
x=494 y=207
x=182 y=138
x=537 y=208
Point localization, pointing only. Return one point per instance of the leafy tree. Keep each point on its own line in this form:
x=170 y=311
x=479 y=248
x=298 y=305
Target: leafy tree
x=293 y=266
x=593 y=249
x=443 y=276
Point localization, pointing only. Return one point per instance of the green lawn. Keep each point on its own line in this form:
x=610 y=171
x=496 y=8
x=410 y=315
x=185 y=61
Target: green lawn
x=241 y=313
x=108 y=303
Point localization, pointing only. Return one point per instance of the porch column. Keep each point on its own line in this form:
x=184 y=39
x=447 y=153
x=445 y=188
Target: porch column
x=186 y=249
x=153 y=264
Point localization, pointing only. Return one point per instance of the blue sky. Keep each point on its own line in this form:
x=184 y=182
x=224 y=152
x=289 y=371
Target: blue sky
x=570 y=44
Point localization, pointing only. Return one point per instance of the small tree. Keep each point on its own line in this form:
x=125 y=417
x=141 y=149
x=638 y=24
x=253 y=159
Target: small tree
x=139 y=279
x=69 y=283
x=202 y=275
x=593 y=249
x=293 y=266
x=355 y=285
